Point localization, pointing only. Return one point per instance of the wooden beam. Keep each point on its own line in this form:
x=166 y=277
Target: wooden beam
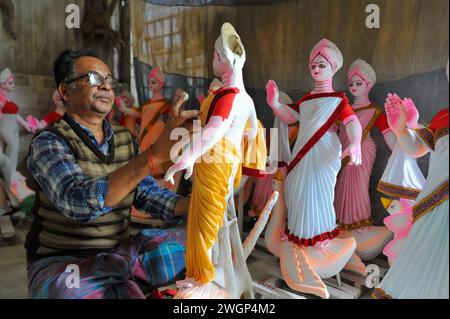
x=125 y=50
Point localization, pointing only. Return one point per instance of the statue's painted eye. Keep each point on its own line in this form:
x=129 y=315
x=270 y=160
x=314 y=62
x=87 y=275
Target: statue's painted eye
x=350 y=85
x=359 y=83
x=322 y=66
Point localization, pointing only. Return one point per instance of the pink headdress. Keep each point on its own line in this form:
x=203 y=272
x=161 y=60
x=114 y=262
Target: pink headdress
x=158 y=75
x=364 y=70
x=330 y=52
x=5 y=75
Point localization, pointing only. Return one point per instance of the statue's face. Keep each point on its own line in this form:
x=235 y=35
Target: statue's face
x=8 y=85
x=154 y=85
x=321 y=69
x=220 y=65
x=357 y=86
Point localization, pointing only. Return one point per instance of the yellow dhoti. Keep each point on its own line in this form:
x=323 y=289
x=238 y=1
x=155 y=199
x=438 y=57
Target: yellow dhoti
x=211 y=190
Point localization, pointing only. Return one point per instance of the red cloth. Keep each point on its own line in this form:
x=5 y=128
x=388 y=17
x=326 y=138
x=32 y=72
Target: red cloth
x=382 y=123
x=346 y=112
x=439 y=121
x=224 y=105
x=52 y=117
x=10 y=108
x=312 y=241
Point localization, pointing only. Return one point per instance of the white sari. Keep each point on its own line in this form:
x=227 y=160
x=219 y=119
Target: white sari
x=310 y=184
x=422 y=268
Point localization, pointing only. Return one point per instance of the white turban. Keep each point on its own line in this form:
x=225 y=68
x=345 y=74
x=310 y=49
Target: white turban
x=330 y=52
x=230 y=47
x=364 y=70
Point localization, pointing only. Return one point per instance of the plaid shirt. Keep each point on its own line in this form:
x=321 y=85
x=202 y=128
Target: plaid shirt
x=80 y=197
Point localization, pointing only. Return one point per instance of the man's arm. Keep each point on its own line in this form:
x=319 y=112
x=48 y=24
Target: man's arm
x=82 y=198
x=125 y=180
x=160 y=202
x=54 y=167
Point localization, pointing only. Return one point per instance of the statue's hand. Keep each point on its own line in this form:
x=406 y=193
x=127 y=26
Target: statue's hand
x=272 y=95
x=180 y=97
x=189 y=171
x=178 y=167
x=412 y=114
x=396 y=113
x=354 y=152
x=170 y=173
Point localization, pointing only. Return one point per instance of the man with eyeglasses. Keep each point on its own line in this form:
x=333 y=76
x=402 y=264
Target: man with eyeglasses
x=88 y=173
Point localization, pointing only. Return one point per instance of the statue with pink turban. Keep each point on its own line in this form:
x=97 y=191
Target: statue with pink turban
x=309 y=247
x=352 y=200
x=152 y=119
x=154 y=114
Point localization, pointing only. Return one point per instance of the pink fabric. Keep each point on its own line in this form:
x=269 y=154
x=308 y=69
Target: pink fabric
x=352 y=199
x=262 y=193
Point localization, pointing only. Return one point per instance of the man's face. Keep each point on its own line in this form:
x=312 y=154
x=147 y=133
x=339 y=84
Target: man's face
x=83 y=96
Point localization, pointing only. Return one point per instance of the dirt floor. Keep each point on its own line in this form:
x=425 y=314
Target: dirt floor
x=13 y=274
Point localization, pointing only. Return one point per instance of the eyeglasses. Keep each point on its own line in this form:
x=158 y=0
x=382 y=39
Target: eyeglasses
x=96 y=79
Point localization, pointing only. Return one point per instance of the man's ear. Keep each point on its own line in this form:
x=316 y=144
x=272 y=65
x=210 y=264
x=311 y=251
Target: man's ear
x=63 y=90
